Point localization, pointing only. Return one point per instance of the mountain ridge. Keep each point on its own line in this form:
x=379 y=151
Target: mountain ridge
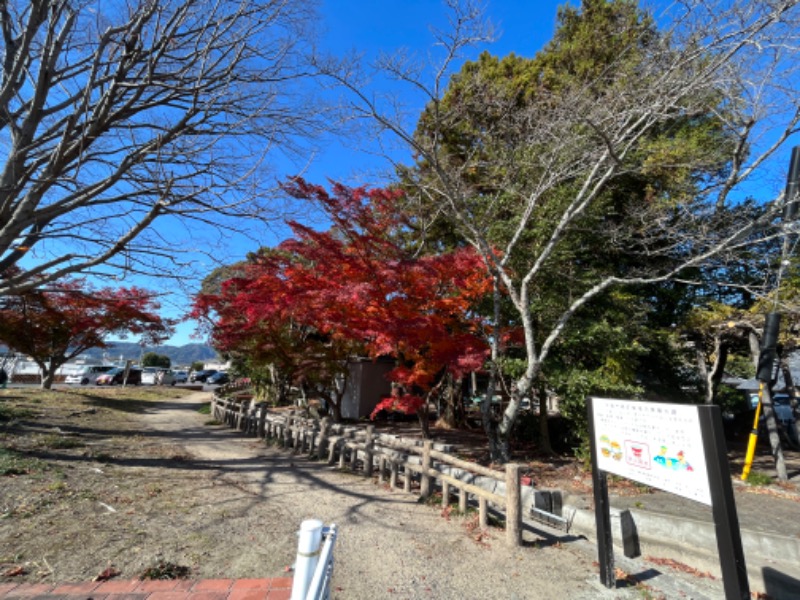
x=179 y=355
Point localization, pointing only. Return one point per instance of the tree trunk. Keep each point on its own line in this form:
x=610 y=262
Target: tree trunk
x=48 y=371
x=544 y=429
x=48 y=377
x=334 y=402
x=451 y=415
x=702 y=367
x=772 y=431
x=794 y=434
x=423 y=414
x=497 y=449
x=714 y=376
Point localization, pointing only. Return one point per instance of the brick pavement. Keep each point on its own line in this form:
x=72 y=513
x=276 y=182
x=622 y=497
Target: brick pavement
x=134 y=589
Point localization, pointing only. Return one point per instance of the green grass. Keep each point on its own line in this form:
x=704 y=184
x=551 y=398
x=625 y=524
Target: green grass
x=205 y=409
x=10 y=412
x=59 y=442
x=14 y=463
x=756 y=478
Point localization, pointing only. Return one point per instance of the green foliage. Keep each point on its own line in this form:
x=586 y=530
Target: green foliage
x=516 y=160
x=576 y=385
x=212 y=283
x=151 y=359
x=197 y=365
x=484 y=132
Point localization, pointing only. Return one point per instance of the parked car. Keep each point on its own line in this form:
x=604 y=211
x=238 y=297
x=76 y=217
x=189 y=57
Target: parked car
x=218 y=378
x=180 y=376
x=115 y=377
x=157 y=376
x=88 y=374
x=201 y=375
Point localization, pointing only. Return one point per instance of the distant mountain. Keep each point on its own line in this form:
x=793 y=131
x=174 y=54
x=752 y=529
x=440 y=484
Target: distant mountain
x=179 y=355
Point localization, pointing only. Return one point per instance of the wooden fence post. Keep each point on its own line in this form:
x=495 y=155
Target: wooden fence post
x=381 y=467
x=343 y=452
x=322 y=444
x=332 y=443
x=262 y=420
x=368 y=450
x=241 y=417
x=354 y=455
x=287 y=430
x=513 y=505
x=425 y=479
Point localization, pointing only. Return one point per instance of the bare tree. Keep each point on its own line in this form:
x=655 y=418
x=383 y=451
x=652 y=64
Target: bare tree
x=545 y=168
x=115 y=115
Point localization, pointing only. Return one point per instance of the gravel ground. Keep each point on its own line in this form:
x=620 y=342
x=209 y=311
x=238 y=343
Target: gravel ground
x=155 y=485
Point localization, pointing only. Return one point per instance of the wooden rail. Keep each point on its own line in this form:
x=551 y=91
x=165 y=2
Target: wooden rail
x=412 y=461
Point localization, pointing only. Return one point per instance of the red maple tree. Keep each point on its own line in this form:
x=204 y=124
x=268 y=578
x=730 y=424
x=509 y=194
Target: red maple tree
x=52 y=326
x=265 y=320
x=355 y=288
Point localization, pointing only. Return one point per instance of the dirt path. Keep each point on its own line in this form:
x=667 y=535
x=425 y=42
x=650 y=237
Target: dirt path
x=141 y=483
x=389 y=544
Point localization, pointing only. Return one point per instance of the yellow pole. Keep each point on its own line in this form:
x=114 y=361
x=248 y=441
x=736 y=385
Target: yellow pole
x=751 y=444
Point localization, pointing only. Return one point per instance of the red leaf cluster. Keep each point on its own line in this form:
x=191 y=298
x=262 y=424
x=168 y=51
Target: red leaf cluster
x=56 y=324
x=354 y=289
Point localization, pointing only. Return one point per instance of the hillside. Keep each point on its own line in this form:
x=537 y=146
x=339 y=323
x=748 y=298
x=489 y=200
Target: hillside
x=179 y=355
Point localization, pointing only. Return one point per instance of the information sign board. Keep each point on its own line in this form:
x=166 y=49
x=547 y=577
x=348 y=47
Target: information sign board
x=656 y=444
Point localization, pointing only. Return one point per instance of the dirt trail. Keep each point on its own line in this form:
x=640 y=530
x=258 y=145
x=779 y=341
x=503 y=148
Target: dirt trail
x=389 y=544
x=143 y=484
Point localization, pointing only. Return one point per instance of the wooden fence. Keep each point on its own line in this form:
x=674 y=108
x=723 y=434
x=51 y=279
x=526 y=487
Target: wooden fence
x=413 y=461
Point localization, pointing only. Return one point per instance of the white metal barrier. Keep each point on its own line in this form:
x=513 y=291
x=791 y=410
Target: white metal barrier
x=314 y=565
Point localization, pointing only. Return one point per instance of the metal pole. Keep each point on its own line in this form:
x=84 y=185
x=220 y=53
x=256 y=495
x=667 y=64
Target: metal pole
x=308 y=544
x=753 y=440
x=602 y=511
x=723 y=505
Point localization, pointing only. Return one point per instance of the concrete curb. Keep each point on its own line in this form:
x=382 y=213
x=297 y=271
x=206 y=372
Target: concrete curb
x=693 y=542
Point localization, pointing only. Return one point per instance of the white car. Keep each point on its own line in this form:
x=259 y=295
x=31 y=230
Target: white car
x=157 y=376
x=88 y=374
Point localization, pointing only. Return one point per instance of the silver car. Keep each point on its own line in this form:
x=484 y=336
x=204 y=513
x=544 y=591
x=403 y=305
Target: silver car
x=88 y=374
x=157 y=376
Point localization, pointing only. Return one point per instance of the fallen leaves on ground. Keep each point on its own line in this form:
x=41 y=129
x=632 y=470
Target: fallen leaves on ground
x=679 y=566
x=768 y=491
x=106 y=574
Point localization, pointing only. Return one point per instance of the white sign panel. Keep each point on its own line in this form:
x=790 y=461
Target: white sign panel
x=656 y=444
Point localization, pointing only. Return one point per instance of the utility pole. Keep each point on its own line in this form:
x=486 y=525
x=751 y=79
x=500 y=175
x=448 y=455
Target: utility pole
x=767 y=355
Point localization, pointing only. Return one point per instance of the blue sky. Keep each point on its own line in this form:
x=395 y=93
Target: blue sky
x=368 y=28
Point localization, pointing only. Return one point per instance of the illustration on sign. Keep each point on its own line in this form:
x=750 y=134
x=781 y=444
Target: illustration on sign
x=653 y=443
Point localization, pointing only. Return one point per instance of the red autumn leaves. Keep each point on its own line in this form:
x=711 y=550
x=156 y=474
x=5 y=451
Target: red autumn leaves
x=355 y=290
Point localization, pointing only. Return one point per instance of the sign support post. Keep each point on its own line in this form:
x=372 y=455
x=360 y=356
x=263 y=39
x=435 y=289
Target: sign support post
x=602 y=513
x=723 y=505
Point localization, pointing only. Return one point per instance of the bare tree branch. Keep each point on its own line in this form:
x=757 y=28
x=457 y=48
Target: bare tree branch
x=112 y=119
